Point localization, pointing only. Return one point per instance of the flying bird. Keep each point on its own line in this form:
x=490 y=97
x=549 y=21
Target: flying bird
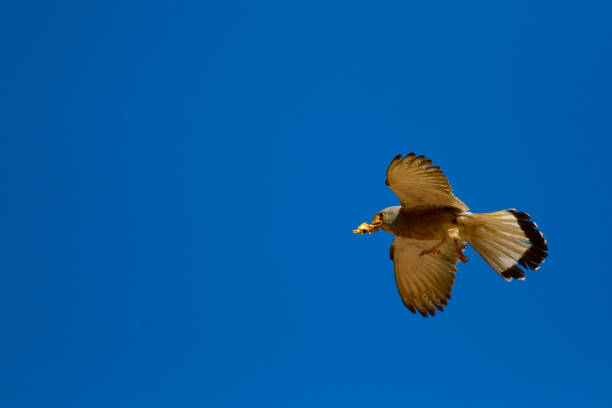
x=431 y=229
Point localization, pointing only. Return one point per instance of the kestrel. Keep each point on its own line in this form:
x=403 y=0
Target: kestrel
x=431 y=228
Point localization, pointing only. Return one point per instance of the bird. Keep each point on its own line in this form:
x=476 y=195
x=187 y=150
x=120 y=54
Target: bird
x=432 y=227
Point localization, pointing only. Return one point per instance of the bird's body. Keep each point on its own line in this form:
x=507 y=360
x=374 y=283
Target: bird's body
x=423 y=224
x=432 y=227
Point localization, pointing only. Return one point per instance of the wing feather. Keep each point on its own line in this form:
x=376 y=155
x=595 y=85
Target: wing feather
x=418 y=184
x=424 y=282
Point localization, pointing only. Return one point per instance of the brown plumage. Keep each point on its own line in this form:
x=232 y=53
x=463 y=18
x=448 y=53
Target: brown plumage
x=432 y=227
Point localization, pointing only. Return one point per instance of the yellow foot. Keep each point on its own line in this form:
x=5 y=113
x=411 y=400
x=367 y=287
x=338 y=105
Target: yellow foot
x=434 y=250
x=459 y=249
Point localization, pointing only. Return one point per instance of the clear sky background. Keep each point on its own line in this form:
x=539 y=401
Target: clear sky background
x=180 y=181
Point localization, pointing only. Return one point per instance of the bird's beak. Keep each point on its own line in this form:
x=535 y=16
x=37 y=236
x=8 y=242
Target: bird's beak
x=369 y=228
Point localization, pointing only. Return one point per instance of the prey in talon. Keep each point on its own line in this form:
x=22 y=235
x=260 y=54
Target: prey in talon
x=432 y=227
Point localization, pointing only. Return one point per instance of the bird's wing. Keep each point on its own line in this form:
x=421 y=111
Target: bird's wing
x=424 y=281
x=418 y=184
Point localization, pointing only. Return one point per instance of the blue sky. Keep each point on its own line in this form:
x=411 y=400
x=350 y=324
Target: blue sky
x=181 y=180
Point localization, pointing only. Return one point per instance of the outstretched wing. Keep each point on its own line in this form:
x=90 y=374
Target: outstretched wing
x=424 y=281
x=419 y=185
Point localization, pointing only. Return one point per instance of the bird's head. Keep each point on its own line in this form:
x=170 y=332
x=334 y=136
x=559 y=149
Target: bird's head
x=382 y=218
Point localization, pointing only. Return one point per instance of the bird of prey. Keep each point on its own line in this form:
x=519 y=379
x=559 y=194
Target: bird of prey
x=432 y=227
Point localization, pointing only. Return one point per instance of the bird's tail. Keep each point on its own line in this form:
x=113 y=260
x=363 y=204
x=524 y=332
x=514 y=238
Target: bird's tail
x=505 y=239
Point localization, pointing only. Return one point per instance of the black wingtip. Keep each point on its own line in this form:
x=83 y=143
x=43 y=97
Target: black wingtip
x=410 y=157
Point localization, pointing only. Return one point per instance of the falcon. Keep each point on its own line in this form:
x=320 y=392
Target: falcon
x=431 y=229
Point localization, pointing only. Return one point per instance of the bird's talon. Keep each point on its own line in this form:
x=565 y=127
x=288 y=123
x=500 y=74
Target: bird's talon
x=434 y=251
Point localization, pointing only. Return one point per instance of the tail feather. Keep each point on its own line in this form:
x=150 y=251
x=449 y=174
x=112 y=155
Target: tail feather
x=505 y=240
x=536 y=254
